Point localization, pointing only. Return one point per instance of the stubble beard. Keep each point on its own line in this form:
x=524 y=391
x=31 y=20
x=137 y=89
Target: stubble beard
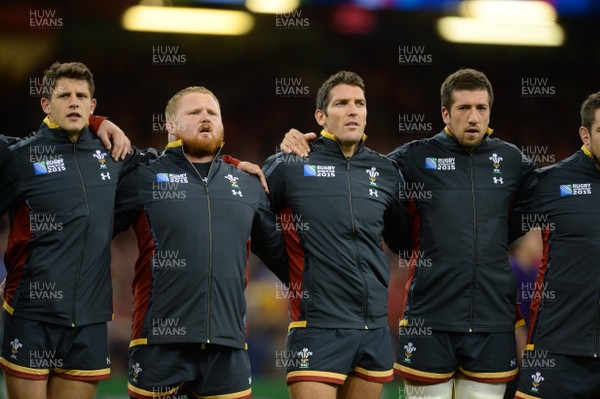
x=201 y=147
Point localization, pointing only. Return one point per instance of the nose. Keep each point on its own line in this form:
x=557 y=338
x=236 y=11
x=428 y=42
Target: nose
x=204 y=115
x=473 y=116
x=73 y=103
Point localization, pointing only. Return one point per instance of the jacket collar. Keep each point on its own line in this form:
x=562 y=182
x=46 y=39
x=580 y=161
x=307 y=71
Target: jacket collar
x=54 y=132
x=447 y=139
x=589 y=155
x=330 y=143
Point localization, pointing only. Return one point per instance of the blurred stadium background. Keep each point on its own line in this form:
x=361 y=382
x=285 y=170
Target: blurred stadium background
x=265 y=59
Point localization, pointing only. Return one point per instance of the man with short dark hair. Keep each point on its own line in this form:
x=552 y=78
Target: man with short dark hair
x=459 y=315
x=561 y=360
x=342 y=199
x=467 y=296
x=59 y=185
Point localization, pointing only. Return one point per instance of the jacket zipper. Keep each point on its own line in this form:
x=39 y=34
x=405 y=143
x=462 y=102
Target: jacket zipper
x=596 y=330
x=83 y=241
x=474 y=275
x=210 y=245
x=365 y=294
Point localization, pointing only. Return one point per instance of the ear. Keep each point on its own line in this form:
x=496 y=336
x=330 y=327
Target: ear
x=93 y=105
x=445 y=115
x=320 y=117
x=45 y=103
x=170 y=125
x=584 y=133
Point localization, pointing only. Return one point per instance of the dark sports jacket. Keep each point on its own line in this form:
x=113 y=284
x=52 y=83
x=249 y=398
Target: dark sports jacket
x=60 y=196
x=460 y=207
x=193 y=248
x=5 y=141
x=566 y=303
x=334 y=212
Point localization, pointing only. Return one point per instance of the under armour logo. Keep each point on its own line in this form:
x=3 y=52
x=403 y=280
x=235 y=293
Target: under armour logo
x=105 y=176
x=239 y=192
x=513 y=363
x=373 y=193
x=108 y=360
x=498 y=180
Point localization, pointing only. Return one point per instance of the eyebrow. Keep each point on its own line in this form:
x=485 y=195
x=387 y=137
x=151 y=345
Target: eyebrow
x=348 y=99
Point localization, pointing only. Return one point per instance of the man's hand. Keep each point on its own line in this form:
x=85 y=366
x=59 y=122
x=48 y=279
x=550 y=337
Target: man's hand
x=255 y=170
x=2 y=286
x=120 y=145
x=297 y=142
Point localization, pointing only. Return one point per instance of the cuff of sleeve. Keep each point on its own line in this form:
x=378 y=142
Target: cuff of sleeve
x=231 y=160
x=95 y=121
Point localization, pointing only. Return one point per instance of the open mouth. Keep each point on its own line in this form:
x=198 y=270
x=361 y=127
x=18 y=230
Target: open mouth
x=205 y=129
x=352 y=124
x=74 y=115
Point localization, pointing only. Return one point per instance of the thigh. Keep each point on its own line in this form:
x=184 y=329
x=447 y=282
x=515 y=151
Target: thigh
x=21 y=388
x=312 y=390
x=223 y=372
x=321 y=354
x=84 y=353
x=488 y=358
x=360 y=388
x=427 y=357
x=62 y=388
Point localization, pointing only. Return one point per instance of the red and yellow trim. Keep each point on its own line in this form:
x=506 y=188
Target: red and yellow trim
x=423 y=376
x=236 y=395
x=374 y=376
x=83 y=375
x=317 y=376
x=23 y=372
x=522 y=395
x=491 y=377
x=143 y=394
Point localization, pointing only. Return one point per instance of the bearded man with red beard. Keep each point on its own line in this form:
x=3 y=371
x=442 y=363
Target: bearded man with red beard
x=194 y=213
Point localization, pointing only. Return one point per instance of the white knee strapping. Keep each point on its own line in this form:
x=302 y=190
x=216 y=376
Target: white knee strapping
x=434 y=391
x=467 y=389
